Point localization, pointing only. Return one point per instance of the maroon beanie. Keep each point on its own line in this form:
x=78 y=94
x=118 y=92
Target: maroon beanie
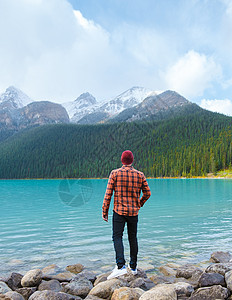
x=127 y=157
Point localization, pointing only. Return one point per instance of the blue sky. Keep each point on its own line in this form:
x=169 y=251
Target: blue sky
x=57 y=49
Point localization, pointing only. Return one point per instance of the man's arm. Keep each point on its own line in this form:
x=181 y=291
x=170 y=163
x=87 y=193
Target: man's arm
x=146 y=191
x=107 y=198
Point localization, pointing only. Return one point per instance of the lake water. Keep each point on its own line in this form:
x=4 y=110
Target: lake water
x=59 y=221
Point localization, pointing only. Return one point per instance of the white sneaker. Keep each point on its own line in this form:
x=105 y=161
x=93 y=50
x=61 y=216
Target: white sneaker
x=117 y=272
x=133 y=271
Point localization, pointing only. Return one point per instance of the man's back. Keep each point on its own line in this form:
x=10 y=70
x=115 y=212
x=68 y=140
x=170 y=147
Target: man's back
x=127 y=183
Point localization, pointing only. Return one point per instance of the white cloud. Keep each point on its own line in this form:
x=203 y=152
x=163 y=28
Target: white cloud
x=192 y=74
x=52 y=52
x=220 y=106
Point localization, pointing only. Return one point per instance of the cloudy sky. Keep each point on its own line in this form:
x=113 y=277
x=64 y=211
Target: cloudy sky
x=57 y=49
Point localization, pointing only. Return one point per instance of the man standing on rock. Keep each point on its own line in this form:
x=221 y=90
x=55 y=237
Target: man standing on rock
x=127 y=184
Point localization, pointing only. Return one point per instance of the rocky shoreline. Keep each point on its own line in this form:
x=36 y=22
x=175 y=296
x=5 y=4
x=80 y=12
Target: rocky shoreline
x=172 y=282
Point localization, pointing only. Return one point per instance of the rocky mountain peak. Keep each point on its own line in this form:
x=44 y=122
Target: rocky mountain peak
x=86 y=98
x=14 y=98
x=83 y=105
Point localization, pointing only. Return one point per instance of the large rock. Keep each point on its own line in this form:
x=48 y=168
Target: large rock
x=189 y=274
x=51 y=295
x=86 y=274
x=4 y=288
x=78 y=287
x=105 y=289
x=219 y=268
x=14 y=295
x=101 y=278
x=228 y=278
x=52 y=285
x=14 y=281
x=126 y=293
x=183 y=289
x=220 y=257
x=32 y=278
x=209 y=279
x=143 y=283
x=188 y=271
x=160 y=292
x=77 y=268
x=26 y=292
x=210 y=293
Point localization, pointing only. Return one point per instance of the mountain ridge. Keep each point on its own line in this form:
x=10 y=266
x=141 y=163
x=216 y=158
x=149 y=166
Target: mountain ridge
x=135 y=104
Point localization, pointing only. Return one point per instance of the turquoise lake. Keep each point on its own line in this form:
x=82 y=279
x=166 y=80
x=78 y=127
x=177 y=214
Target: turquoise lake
x=59 y=221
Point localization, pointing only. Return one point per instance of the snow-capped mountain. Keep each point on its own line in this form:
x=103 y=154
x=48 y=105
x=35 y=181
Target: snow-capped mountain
x=82 y=106
x=128 y=99
x=137 y=103
x=102 y=112
x=85 y=109
x=156 y=107
x=18 y=111
x=14 y=98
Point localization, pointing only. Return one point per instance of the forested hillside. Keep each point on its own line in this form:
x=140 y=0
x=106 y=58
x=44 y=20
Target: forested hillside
x=185 y=146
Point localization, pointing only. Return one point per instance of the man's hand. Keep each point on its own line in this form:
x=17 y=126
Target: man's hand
x=105 y=217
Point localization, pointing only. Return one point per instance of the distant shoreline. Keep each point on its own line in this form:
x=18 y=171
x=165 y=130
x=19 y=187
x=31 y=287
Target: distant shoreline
x=105 y=178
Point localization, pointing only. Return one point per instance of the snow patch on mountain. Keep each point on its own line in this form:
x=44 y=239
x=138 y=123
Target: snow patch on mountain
x=15 y=98
x=128 y=99
x=82 y=106
x=86 y=104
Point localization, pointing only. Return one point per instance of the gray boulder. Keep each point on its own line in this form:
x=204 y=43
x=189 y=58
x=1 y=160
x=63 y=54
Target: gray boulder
x=183 y=289
x=210 y=293
x=188 y=271
x=86 y=274
x=209 y=279
x=14 y=295
x=4 y=288
x=14 y=281
x=32 y=278
x=220 y=268
x=51 y=295
x=142 y=283
x=52 y=285
x=228 y=278
x=220 y=257
x=78 y=287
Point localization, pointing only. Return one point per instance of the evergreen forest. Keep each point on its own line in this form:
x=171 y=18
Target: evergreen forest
x=187 y=146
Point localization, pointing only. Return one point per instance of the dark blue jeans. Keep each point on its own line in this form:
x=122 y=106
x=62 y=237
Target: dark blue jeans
x=118 y=228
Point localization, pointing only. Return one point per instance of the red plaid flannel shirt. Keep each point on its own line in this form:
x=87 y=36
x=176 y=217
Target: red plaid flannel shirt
x=127 y=184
